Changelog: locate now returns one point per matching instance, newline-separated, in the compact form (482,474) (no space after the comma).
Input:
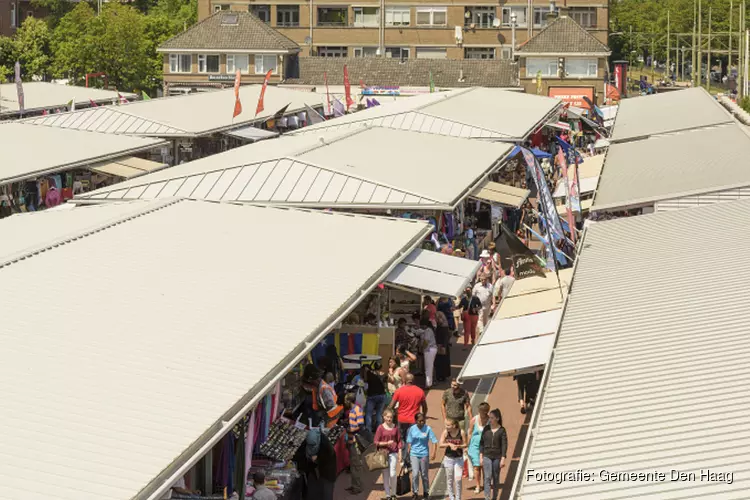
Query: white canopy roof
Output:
(588,176)
(350,169)
(188,115)
(124,380)
(44,95)
(251,133)
(535,295)
(29,151)
(433,272)
(478,112)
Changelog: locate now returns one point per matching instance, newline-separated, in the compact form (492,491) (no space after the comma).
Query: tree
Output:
(71,44)
(33,48)
(8,58)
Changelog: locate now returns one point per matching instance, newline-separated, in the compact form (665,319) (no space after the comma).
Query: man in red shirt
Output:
(411,400)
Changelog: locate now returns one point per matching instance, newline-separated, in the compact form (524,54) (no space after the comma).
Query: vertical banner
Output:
(237,103)
(19,88)
(347,89)
(262,95)
(525,263)
(328,95)
(568,193)
(545,197)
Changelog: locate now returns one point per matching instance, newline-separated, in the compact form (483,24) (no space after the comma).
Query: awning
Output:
(601,143)
(251,133)
(559,125)
(585,205)
(494,192)
(513,345)
(425,271)
(128,167)
(585,185)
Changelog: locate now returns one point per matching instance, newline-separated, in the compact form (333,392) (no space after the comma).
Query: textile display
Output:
(284,438)
(348,343)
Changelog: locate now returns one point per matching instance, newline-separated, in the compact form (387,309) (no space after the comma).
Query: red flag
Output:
(347,89)
(263,92)
(361,83)
(612,93)
(93,104)
(237,103)
(328,97)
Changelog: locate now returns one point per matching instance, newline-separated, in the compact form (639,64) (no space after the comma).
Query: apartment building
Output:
(422,29)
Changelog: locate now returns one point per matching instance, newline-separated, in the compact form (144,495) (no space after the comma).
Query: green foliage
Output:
(745,103)
(56,9)
(33,48)
(8,58)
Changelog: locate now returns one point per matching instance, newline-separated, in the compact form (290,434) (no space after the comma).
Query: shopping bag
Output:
(364,439)
(467,467)
(403,482)
(376,460)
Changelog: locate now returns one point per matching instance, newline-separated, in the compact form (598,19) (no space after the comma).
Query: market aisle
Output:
(502,396)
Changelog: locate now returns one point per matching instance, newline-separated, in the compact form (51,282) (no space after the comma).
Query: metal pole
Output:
(740,52)
(669,69)
(708,62)
(381,31)
(729,61)
(513,37)
(693,49)
(312,8)
(699,69)
(747,56)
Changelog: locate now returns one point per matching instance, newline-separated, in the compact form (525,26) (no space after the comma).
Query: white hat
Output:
(484,253)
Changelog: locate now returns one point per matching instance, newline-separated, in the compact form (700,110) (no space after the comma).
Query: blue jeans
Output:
(374,404)
(491,469)
(420,466)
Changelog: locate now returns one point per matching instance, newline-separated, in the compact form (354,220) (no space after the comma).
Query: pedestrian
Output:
(388,439)
(476,426)
(453,462)
(524,383)
(457,404)
(355,422)
(483,291)
(375,392)
(470,308)
(447,307)
(492,449)
(502,287)
(410,400)
(443,340)
(418,439)
(429,349)
(396,375)
(261,491)
(316,459)
(405,358)
(429,305)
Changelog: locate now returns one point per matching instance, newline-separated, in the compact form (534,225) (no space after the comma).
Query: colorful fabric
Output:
(348,343)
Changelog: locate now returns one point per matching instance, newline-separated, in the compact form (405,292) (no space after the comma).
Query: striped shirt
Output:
(356,418)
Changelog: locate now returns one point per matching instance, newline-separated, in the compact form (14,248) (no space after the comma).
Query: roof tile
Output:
(563,36)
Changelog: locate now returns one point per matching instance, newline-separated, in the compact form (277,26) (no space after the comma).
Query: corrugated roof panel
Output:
(171,188)
(319,186)
(290,180)
(256,183)
(332,192)
(398,121)
(387,121)
(100,122)
(411,199)
(436,126)
(365,192)
(135,192)
(304,183)
(396,197)
(126,124)
(153,190)
(417,121)
(349,191)
(380,195)
(206,184)
(189,186)
(447,127)
(115,195)
(240,182)
(638,345)
(426,124)
(227,178)
(274,180)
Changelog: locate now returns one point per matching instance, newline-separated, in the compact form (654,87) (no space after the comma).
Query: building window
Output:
(432,53)
(540,17)
(367,16)
(329,16)
(287,15)
(180,63)
(585,16)
(365,51)
(480,17)
(220,7)
(581,66)
(262,11)
(432,16)
(398,52)
(479,53)
(397,16)
(238,62)
(332,51)
(265,63)
(547,66)
(520,13)
(506,53)
(208,63)
(13,15)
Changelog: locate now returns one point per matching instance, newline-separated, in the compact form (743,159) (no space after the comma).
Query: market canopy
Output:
(39,96)
(29,151)
(494,192)
(476,113)
(535,295)
(128,167)
(641,117)
(125,381)
(191,115)
(688,163)
(348,169)
(425,271)
(251,133)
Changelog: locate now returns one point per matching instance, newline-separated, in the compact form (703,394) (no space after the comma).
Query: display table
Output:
(362,358)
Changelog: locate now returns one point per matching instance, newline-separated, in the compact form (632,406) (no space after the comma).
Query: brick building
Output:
(423,29)
(13,13)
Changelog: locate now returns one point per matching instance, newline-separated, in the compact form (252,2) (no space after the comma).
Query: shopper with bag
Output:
(453,462)
(410,400)
(476,427)
(418,439)
(355,422)
(388,442)
(492,449)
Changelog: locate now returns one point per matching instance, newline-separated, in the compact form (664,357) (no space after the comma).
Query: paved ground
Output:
(502,395)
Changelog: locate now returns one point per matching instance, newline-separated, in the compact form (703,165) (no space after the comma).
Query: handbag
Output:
(376,460)
(364,439)
(403,481)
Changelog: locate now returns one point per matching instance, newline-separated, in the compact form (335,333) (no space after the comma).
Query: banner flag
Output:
(347,89)
(328,95)
(543,193)
(569,191)
(262,95)
(19,88)
(313,116)
(525,263)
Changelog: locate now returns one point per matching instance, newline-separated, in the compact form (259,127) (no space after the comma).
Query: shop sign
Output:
(377,90)
(573,95)
(220,78)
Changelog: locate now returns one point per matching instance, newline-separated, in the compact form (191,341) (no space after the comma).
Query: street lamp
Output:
(513,22)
